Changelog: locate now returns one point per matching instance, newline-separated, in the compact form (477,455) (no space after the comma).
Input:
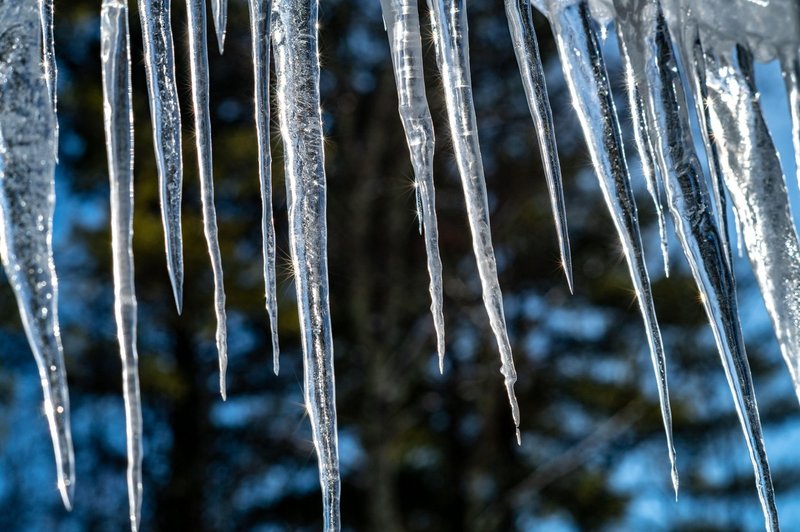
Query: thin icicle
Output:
(198,52)
(402,27)
(165,112)
(219,10)
(449,25)
(260,20)
(46,12)
(585,72)
(756,182)
(526,49)
(297,72)
(27,198)
(790,68)
(118,113)
(694,222)
(645,148)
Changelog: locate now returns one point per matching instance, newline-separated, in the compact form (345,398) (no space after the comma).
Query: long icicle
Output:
(755,179)
(401,18)
(27,199)
(297,72)
(585,72)
(118,113)
(449,25)
(46,16)
(260,20)
(790,69)
(696,226)
(526,49)
(198,51)
(219,10)
(159,59)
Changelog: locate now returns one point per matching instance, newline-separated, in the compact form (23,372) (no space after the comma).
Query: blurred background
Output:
(419,450)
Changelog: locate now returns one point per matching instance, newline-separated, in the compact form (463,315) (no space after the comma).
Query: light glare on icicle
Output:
(118,113)
(27,199)
(46,13)
(297,72)
(402,27)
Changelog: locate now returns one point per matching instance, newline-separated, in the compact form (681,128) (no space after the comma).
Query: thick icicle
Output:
(297,72)
(198,51)
(116,56)
(219,9)
(166,115)
(790,68)
(27,198)
(401,18)
(449,25)
(585,72)
(260,20)
(694,221)
(754,177)
(46,12)
(526,49)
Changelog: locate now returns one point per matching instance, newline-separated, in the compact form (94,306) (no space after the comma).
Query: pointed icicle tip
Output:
(519,437)
(67,490)
(568,274)
(220,12)
(177,291)
(675,482)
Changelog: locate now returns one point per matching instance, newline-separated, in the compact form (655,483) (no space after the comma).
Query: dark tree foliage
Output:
(419,450)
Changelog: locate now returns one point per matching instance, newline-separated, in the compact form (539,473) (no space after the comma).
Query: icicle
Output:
(198,51)
(755,180)
(116,56)
(585,72)
(260,20)
(694,220)
(526,49)
(165,113)
(297,72)
(790,68)
(27,197)
(49,60)
(219,10)
(644,146)
(449,25)
(402,26)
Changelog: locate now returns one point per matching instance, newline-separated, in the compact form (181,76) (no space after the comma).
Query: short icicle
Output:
(260,20)
(403,29)
(198,52)
(159,59)
(46,17)
(790,69)
(27,200)
(526,49)
(585,72)
(118,111)
(219,10)
(755,179)
(297,71)
(696,226)
(449,25)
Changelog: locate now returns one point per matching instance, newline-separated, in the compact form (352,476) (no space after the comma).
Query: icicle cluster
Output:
(662,44)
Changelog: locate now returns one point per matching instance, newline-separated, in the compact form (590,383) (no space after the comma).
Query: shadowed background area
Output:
(419,450)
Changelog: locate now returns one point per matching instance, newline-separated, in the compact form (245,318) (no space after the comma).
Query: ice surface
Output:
(27,199)
(198,53)
(118,113)
(297,71)
(402,27)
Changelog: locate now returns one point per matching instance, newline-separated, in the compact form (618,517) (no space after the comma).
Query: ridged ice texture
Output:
(790,69)
(401,18)
(756,182)
(198,66)
(118,114)
(219,10)
(585,72)
(449,26)
(698,233)
(46,13)
(297,72)
(27,198)
(159,60)
(260,20)
(526,49)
